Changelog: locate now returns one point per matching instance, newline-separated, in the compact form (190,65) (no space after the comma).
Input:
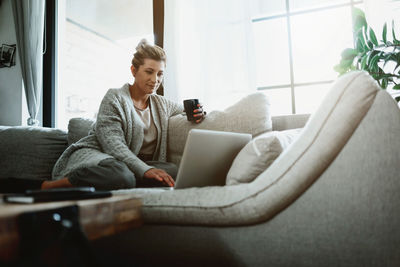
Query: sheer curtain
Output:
(29,26)
(209,45)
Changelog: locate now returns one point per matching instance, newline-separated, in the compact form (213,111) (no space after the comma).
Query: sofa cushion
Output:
(258,155)
(30,152)
(250,115)
(78,128)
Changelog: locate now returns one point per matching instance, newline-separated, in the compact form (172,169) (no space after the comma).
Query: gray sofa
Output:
(331,199)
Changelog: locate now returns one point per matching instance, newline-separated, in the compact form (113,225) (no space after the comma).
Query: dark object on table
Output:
(56,194)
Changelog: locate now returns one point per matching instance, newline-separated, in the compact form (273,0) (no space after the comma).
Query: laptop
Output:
(207,157)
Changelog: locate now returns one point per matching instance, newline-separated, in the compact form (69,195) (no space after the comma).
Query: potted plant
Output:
(380,58)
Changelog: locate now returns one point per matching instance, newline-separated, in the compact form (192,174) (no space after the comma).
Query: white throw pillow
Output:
(249,115)
(259,154)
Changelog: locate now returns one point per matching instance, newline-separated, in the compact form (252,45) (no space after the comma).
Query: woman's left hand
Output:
(199,114)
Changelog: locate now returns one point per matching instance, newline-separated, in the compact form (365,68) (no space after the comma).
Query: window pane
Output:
(272,52)
(318,40)
(296,5)
(96,41)
(309,98)
(268,8)
(280,100)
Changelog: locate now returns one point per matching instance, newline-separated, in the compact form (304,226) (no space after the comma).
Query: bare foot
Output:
(64,182)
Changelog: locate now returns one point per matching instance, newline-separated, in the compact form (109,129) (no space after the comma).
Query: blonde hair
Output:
(145,50)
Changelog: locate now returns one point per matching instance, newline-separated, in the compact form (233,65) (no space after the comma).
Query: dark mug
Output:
(190,105)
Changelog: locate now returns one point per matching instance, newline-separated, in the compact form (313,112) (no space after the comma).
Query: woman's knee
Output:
(109,174)
(119,172)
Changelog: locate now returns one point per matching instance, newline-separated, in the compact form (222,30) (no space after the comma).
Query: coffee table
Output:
(98,218)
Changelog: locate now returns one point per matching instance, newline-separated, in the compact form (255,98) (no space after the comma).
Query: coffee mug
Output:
(190,105)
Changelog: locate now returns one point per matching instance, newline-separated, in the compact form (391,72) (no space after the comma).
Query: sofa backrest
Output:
(30,152)
(286,122)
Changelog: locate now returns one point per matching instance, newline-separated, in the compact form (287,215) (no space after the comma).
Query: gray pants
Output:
(112,174)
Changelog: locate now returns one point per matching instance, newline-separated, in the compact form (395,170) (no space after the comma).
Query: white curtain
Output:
(29,26)
(209,45)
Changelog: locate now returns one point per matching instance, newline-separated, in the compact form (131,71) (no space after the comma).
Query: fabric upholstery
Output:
(284,122)
(348,217)
(258,155)
(30,152)
(79,128)
(324,135)
(250,115)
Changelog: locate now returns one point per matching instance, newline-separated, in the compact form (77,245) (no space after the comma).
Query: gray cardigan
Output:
(118,133)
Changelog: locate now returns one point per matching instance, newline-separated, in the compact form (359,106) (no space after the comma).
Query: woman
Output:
(127,145)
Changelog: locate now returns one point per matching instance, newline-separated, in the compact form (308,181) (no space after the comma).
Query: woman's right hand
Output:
(199,114)
(159,175)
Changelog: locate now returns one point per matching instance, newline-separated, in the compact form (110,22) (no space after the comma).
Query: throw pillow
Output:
(258,155)
(249,115)
(78,128)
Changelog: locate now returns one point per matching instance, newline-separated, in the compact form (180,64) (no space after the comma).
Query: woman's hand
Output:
(159,175)
(199,114)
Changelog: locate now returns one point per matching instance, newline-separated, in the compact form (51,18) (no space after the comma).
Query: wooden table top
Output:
(98,218)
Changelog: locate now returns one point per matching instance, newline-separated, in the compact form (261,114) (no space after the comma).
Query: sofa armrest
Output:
(285,122)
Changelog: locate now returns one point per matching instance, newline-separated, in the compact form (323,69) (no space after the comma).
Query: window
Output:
(96,41)
(297,43)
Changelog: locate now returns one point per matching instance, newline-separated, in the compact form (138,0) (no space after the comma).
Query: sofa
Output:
(331,198)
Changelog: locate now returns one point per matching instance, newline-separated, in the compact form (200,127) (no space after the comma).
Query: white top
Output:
(150,131)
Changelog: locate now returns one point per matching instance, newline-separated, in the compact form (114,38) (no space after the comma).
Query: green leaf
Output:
(393,33)
(384,83)
(367,42)
(364,62)
(374,68)
(339,69)
(372,36)
(359,20)
(387,58)
(371,54)
(346,63)
(349,53)
(384,33)
(360,42)
(397,98)
(374,60)
(395,68)
(396,87)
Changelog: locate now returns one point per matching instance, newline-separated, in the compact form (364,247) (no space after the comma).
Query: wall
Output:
(11,95)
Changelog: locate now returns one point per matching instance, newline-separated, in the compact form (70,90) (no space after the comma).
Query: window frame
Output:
(49,90)
(288,14)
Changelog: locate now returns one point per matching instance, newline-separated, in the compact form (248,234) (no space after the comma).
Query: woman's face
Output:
(149,75)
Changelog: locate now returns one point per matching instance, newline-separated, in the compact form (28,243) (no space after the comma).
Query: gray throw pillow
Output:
(258,155)
(78,128)
(30,152)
